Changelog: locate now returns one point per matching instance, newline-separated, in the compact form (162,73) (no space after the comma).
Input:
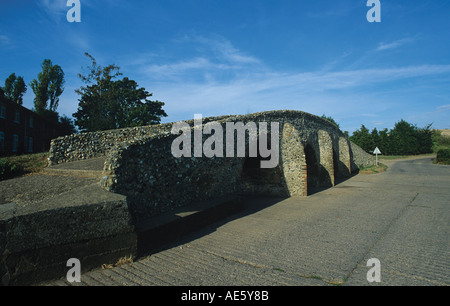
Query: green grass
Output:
(13,166)
(373,169)
(393,157)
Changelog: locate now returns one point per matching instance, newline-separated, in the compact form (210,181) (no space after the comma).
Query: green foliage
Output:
(403,139)
(443,156)
(8,169)
(65,126)
(14,88)
(48,87)
(440,141)
(330,119)
(112,104)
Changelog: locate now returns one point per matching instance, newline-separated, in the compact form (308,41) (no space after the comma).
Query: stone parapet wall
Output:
(95,144)
(155,181)
(139,163)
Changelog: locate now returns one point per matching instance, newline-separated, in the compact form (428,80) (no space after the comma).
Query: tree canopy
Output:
(47,88)
(112,104)
(14,88)
(404,139)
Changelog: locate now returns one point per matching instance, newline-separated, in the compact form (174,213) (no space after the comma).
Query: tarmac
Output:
(399,217)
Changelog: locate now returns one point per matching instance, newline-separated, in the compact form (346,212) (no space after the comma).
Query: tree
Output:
(363,138)
(330,119)
(112,104)
(425,139)
(15,88)
(404,140)
(65,126)
(48,87)
(385,142)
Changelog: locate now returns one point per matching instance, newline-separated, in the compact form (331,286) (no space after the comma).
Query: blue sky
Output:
(216,57)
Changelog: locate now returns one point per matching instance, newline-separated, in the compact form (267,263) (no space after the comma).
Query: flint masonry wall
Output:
(314,153)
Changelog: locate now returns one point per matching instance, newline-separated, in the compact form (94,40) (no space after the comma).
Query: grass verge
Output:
(14,166)
(373,169)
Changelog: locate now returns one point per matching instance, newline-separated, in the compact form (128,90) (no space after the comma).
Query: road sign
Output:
(376,152)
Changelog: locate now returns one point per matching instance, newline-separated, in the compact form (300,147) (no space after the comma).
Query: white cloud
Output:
(212,58)
(4,40)
(226,50)
(214,77)
(342,94)
(395,44)
(53,7)
(443,108)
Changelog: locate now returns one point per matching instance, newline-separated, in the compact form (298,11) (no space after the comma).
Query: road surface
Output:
(399,217)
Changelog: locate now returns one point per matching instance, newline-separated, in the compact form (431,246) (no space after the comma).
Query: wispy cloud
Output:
(316,91)
(393,45)
(4,40)
(214,77)
(225,50)
(54,8)
(212,57)
(443,108)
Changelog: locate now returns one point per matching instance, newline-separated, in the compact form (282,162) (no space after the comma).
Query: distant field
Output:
(445,132)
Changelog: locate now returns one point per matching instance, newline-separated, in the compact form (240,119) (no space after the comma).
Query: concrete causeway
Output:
(400,217)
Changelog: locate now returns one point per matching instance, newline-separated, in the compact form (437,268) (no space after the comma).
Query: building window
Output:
(17,116)
(30,144)
(2,111)
(2,141)
(15,143)
(31,122)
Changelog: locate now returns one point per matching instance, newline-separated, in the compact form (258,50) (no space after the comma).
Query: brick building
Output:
(22,130)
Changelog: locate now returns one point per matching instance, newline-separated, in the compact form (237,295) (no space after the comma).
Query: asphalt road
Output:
(399,217)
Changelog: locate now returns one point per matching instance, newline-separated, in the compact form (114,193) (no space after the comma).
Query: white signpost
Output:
(376,152)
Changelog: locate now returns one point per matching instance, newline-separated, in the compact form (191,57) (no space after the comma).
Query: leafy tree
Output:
(48,86)
(403,139)
(15,88)
(9,85)
(111,104)
(66,126)
(363,138)
(330,119)
(384,141)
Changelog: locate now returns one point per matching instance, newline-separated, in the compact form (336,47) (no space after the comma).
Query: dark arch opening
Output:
(312,169)
(336,169)
(263,181)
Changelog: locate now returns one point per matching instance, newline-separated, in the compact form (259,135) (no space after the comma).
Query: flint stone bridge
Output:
(144,196)
(314,154)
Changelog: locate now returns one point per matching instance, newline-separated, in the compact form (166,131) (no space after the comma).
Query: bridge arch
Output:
(313,153)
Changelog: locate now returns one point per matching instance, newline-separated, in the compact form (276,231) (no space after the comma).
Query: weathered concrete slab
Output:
(37,238)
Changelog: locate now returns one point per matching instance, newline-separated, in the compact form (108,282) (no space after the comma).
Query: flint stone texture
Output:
(141,179)
(140,165)
(361,159)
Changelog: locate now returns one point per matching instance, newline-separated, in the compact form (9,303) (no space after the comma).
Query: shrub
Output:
(8,170)
(443,156)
